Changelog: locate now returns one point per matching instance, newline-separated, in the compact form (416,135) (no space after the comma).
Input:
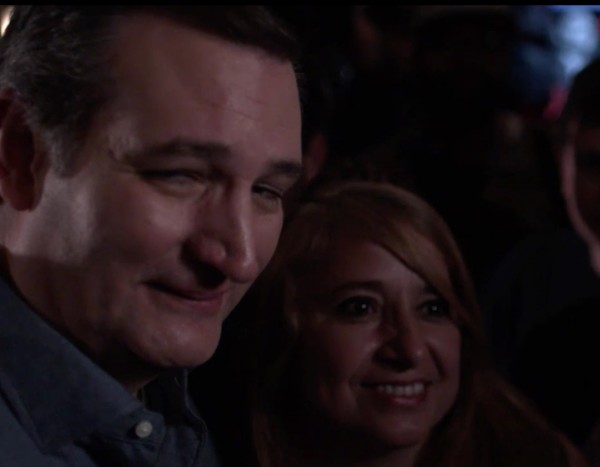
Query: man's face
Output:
(174,208)
(580,171)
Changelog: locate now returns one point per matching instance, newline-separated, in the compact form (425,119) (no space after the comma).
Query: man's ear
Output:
(18,157)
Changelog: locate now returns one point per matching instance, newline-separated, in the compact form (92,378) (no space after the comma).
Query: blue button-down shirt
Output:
(58,408)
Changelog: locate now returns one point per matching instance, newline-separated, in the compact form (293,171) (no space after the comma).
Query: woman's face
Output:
(380,353)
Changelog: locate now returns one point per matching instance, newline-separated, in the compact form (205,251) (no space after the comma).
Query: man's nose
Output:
(224,237)
(403,344)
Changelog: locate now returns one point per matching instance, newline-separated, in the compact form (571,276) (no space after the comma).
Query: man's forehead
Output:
(158,55)
(211,152)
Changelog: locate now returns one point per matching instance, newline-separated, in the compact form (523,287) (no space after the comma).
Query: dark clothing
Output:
(58,408)
(543,314)
(541,278)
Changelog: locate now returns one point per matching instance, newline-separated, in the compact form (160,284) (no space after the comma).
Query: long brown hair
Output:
(489,423)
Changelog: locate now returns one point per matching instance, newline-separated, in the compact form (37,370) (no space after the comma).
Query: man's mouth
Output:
(201,300)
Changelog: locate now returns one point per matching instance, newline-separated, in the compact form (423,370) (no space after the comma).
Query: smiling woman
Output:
(370,349)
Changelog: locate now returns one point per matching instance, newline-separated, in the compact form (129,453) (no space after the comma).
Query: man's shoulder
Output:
(17,447)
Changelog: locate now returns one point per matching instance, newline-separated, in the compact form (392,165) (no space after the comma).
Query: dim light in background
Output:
(5,18)
(574,7)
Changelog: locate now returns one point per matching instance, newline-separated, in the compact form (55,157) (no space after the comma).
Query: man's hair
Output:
(56,58)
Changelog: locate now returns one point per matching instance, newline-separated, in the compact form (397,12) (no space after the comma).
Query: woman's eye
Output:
(357,307)
(435,308)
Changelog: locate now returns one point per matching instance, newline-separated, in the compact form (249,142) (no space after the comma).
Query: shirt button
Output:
(143,429)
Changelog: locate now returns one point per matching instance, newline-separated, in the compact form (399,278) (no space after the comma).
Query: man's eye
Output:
(172,176)
(435,308)
(267,193)
(357,307)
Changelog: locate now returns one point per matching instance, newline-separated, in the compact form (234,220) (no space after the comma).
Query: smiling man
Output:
(143,157)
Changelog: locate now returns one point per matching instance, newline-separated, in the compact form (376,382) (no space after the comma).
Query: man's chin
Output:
(180,354)
(188,358)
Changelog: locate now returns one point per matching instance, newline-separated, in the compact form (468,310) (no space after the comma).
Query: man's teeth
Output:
(407,390)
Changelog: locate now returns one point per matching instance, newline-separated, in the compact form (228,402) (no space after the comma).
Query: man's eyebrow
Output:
(210,151)
(285,168)
(182,148)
